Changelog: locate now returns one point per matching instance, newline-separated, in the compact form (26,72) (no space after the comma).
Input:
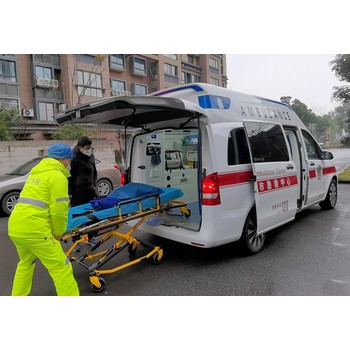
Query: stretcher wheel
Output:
(100,289)
(132,250)
(155,259)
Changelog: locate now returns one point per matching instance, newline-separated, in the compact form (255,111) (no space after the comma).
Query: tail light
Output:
(211,190)
(122,178)
(116,166)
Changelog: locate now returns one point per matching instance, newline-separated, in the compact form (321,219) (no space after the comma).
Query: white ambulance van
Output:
(246,164)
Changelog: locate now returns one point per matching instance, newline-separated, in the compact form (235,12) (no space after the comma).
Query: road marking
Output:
(339,244)
(340,282)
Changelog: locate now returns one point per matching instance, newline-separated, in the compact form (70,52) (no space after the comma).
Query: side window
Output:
(237,148)
(267,142)
(312,149)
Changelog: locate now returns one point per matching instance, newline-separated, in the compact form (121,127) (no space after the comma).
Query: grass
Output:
(344,176)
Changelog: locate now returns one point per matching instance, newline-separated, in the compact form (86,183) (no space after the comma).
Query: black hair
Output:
(84,141)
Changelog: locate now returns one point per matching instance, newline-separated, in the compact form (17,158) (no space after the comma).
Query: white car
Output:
(11,184)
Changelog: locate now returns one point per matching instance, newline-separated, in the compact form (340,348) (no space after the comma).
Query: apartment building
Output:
(40,85)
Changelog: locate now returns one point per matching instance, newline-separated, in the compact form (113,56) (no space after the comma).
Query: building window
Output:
(117,62)
(118,87)
(192,59)
(214,81)
(169,69)
(140,90)
(9,103)
(8,71)
(49,59)
(46,111)
(174,57)
(43,72)
(213,63)
(89,59)
(139,66)
(89,84)
(189,78)
(170,73)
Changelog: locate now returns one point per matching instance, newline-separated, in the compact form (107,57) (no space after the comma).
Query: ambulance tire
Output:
(250,242)
(332,196)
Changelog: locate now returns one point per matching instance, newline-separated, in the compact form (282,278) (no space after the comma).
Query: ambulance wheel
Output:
(332,196)
(250,241)
(99,289)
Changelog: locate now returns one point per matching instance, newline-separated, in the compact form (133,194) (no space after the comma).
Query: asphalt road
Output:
(309,256)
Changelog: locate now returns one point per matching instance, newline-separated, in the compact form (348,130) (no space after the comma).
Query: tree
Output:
(73,132)
(304,113)
(9,118)
(341,68)
(286,99)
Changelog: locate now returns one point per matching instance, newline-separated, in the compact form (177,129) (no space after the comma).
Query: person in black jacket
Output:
(82,182)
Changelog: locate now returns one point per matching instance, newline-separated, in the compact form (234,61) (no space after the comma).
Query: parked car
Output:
(11,184)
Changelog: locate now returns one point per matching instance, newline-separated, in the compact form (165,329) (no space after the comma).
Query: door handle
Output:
(142,167)
(312,164)
(290,166)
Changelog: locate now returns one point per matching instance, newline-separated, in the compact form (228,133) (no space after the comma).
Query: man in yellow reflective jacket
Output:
(39,219)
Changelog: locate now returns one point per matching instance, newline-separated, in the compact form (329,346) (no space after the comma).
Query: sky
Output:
(306,77)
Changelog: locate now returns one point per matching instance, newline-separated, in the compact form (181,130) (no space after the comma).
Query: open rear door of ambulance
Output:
(275,175)
(132,111)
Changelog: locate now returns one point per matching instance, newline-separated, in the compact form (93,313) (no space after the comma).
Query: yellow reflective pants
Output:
(49,251)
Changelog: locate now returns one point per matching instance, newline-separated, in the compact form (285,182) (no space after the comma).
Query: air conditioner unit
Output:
(120,92)
(53,83)
(28,112)
(42,82)
(62,107)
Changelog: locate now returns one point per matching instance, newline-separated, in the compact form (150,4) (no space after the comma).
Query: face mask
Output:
(87,152)
(67,166)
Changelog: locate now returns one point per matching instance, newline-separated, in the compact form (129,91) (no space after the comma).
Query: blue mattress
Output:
(81,215)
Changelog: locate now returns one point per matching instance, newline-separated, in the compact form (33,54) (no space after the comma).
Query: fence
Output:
(15,153)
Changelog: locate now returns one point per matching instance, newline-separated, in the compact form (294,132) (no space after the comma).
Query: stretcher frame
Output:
(108,228)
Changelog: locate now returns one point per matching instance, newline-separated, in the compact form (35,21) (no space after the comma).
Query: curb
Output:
(340,172)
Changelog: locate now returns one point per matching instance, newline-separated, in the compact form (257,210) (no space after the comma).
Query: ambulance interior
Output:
(170,158)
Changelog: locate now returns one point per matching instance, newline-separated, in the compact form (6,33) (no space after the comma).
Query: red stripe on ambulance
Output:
(235,178)
(329,170)
(325,171)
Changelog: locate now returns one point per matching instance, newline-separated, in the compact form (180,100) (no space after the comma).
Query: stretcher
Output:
(137,204)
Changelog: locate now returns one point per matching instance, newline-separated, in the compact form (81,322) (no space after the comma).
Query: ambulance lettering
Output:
(253,111)
(280,207)
(278,183)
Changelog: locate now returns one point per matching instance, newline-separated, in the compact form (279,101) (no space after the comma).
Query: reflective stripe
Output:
(64,199)
(32,201)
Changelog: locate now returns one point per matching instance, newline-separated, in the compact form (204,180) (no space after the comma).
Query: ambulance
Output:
(246,164)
